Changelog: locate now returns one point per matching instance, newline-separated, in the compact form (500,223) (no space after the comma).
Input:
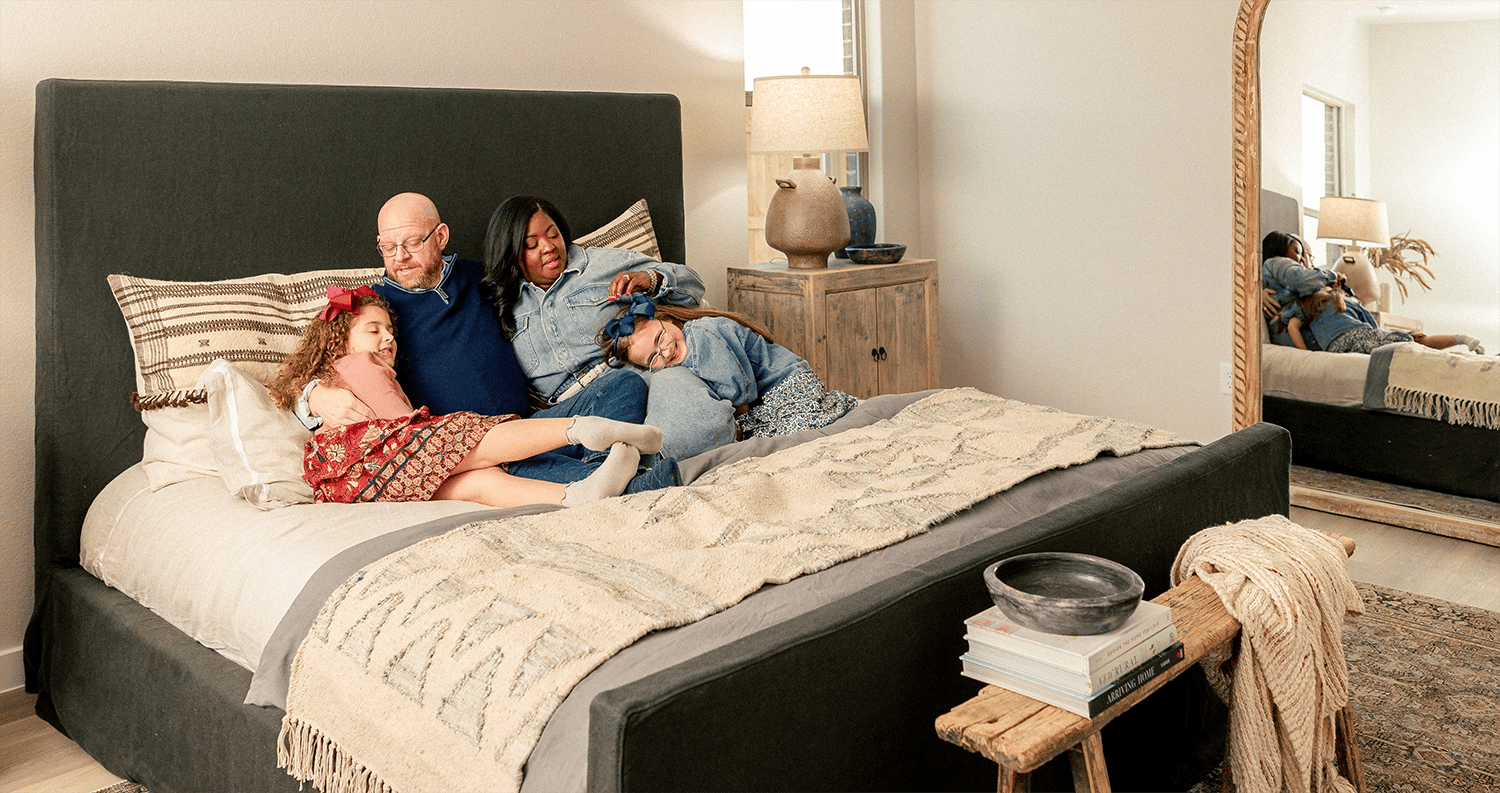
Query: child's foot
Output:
(1470,342)
(599,433)
(609,479)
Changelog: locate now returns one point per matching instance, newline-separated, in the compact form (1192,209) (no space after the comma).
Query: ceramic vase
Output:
(806,219)
(861,219)
(1360,275)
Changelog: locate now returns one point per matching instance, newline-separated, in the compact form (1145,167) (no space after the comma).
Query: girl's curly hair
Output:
(615,349)
(322,344)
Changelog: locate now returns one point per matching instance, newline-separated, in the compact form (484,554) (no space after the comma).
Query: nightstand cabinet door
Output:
(904,329)
(866,329)
(853,348)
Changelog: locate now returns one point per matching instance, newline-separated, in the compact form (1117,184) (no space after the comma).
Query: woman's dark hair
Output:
(505,247)
(1276,244)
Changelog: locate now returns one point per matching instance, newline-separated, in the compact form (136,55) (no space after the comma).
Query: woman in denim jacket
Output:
(552,296)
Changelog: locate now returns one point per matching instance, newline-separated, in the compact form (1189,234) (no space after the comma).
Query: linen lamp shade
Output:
(1356,223)
(806,114)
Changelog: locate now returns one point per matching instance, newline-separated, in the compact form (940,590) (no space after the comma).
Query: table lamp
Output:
(1355,223)
(803,114)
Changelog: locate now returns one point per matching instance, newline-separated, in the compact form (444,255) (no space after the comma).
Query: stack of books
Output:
(1080,674)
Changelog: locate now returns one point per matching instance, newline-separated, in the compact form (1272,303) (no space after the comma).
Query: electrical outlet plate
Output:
(1226,379)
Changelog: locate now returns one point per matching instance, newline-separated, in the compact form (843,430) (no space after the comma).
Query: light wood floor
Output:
(34,758)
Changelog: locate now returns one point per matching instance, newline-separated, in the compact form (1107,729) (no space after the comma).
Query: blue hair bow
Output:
(624,325)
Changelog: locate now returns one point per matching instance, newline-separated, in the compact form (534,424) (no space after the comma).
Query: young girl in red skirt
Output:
(410,455)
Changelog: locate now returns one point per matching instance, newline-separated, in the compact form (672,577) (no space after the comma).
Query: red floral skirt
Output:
(403,459)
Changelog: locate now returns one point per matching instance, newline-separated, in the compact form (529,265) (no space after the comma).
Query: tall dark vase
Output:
(861,219)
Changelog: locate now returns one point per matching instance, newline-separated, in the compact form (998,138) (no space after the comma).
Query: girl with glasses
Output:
(774,390)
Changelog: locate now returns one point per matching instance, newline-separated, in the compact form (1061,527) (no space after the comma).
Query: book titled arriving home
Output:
(1074,682)
(1087,706)
(1084,655)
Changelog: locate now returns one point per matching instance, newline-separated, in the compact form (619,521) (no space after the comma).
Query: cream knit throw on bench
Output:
(436,668)
(1289,587)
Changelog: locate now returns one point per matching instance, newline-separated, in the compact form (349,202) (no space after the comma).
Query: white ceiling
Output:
(1423,10)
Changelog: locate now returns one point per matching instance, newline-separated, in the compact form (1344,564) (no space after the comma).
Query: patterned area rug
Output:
(124,786)
(1425,676)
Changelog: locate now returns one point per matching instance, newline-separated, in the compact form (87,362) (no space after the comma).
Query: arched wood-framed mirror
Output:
(1246,404)
(1246,292)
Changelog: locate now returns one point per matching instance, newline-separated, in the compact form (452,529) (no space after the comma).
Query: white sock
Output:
(1470,342)
(599,433)
(609,479)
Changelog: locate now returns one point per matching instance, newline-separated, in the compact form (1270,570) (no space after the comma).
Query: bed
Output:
(1340,425)
(833,679)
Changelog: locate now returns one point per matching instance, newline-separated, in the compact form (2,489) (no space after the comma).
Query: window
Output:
(781,37)
(1322,161)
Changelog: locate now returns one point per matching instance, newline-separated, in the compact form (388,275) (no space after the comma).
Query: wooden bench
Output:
(1021,734)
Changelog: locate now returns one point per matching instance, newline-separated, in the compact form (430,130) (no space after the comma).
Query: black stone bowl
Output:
(1071,593)
(878,253)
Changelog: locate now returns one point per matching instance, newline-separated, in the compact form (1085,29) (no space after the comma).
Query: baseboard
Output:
(12,669)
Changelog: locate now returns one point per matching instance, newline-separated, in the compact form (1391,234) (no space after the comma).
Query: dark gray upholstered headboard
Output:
(1279,213)
(201,181)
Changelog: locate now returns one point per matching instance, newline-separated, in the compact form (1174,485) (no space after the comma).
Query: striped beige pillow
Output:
(178,328)
(632,231)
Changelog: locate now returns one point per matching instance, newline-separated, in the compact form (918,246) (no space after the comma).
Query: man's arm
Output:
(328,406)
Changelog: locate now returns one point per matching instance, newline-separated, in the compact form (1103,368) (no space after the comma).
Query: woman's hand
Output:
(337,407)
(633,281)
(1268,305)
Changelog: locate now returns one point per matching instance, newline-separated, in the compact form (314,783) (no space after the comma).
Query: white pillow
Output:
(177,447)
(258,448)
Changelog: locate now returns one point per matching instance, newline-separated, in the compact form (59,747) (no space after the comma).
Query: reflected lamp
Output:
(1355,223)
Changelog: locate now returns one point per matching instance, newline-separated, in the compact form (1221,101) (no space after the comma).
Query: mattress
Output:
(1323,377)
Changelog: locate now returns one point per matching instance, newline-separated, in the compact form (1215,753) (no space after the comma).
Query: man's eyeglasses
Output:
(388,249)
(658,361)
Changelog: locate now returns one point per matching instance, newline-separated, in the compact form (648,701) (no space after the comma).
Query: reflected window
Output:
(1322,162)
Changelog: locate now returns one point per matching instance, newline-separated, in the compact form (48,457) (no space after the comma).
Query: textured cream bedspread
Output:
(437,667)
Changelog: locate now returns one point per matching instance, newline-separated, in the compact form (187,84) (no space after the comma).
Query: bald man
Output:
(454,357)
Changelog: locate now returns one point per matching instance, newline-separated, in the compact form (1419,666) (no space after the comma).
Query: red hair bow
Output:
(341,300)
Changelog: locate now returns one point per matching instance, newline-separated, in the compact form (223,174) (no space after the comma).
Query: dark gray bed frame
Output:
(197,181)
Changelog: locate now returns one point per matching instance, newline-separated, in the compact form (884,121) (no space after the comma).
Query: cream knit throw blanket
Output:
(1461,389)
(1289,587)
(437,667)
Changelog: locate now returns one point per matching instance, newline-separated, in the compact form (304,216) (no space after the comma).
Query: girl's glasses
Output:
(658,360)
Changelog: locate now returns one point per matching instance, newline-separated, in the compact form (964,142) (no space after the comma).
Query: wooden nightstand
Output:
(866,328)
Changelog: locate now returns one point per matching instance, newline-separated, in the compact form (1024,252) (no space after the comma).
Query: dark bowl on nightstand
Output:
(1071,593)
(878,253)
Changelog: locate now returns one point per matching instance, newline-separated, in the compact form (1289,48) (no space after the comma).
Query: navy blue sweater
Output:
(451,355)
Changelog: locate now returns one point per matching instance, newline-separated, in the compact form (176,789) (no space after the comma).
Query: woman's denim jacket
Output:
(556,327)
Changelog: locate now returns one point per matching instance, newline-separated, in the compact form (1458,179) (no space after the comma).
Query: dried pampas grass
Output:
(1394,259)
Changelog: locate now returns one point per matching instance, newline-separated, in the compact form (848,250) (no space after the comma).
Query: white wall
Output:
(1426,119)
(1076,189)
(1321,46)
(691,48)
(1435,162)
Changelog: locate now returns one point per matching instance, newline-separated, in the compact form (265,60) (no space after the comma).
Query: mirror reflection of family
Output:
(1312,308)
